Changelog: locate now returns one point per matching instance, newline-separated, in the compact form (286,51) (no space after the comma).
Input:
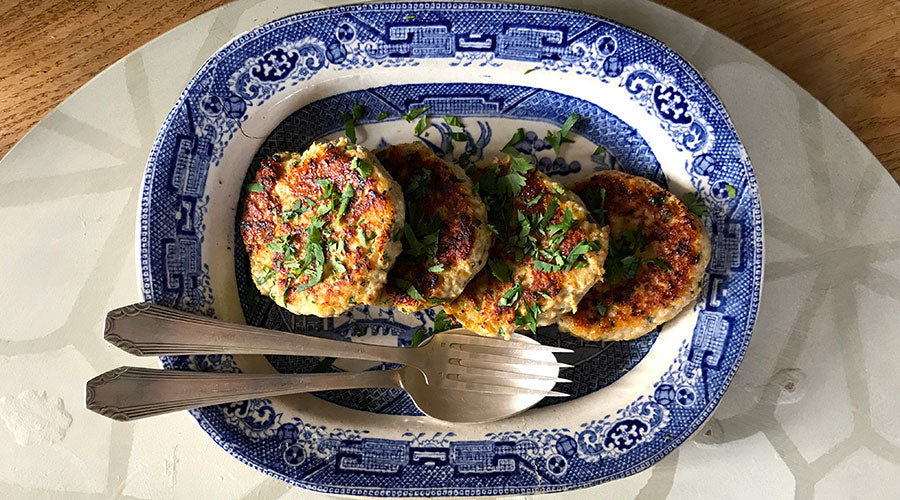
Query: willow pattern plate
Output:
(498,67)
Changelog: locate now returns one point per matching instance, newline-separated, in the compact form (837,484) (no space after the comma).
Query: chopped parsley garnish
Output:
(731,190)
(270,273)
(530,70)
(346,196)
(500,270)
(660,264)
(297,208)
(453,121)
(595,199)
(410,289)
(518,137)
(350,118)
(695,204)
(511,296)
(564,225)
(459,136)
(409,17)
(414,113)
(314,255)
(442,322)
(658,199)
(361,234)
(580,249)
(339,267)
(624,256)
(599,151)
(255,187)
(327,188)
(529,319)
(418,337)
(422,124)
(381,116)
(601,308)
(361,166)
(437,268)
(558,138)
(532,202)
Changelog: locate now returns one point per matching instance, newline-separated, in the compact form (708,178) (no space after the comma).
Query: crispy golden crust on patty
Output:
(638,209)
(539,227)
(317,228)
(446,239)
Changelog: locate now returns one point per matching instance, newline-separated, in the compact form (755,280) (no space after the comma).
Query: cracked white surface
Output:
(812,411)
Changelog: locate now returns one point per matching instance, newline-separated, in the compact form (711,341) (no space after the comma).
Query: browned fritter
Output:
(548,282)
(445,217)
(622,307)
(297,198)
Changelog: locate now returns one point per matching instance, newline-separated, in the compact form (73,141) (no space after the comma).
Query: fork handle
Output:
(147,329)
(129,393)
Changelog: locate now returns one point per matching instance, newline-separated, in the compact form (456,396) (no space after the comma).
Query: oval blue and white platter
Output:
(498,67)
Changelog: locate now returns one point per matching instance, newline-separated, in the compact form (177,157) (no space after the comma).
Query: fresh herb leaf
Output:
(512,183)
(418,337)
(602,308)
(453,121)
(422,124)
(580,249)
(409,17)
(442,322)
(350,118)
(410,289)
(459,136)
(518,137)
(595,199)
(731,190)
(414,113)
(327,188)
(533,201)
(361,166)
(695,204)
(660,263)
(500,269)
(546,267)
(339,267)
(511,296)
(530,70)
(346,196)
(599,151)
(381,116)
(437,268)
(564,225)
(658,200)
(361,234)
(270,273)
(558,138)
(529,319)
(255,187)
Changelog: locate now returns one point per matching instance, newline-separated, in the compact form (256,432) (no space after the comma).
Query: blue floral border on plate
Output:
(268,59)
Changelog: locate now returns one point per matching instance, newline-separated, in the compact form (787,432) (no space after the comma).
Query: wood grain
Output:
(845,52)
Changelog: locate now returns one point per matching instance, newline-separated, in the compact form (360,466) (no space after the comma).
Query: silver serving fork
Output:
(455,376)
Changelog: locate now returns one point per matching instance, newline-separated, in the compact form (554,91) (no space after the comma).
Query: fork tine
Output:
(497,389)
(498,343)
(466,372)
(484,358)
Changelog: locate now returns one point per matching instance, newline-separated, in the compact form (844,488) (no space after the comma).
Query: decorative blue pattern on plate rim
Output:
(175,251)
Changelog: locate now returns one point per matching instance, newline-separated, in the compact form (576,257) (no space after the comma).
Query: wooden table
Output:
(845,52)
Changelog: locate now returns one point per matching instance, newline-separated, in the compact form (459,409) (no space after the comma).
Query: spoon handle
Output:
(147,329)
(129,393)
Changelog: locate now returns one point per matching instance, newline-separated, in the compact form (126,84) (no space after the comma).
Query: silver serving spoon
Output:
(454,376)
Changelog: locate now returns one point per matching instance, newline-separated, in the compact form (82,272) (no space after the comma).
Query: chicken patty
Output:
(657,257)
(445,240)
(547,254)
(318,227)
